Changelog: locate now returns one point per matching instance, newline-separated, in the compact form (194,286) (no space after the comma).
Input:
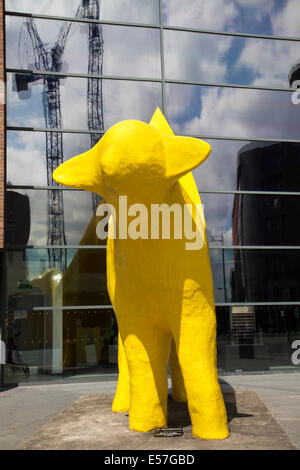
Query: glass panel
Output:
(244,16)
(79,273)
(243,219)
(119,50)
(232,112)
(255,275)
(27,217)
(255,166)
(225,59)
(258,338)
(231,219)
(121,100)
(136,11)
(72,341)
(27,150)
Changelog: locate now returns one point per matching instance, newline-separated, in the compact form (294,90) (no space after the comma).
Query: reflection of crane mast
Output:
(91,9)
(50,60)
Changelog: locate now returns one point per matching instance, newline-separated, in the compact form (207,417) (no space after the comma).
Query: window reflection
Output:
(249,275)
(136,11)
(27,150)
(232,112)
(121,50)
(257,337)
(77,213)
(214,58)
(55,339)
(121,100)
(249,219)
(244,16)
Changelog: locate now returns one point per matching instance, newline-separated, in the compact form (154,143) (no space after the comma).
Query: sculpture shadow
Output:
(178,413)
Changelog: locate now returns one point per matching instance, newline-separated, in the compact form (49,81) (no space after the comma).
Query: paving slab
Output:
(89,424)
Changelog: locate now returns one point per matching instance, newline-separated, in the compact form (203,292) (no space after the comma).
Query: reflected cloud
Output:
(136,11)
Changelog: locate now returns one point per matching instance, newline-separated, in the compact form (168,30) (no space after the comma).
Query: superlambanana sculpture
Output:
(161,292)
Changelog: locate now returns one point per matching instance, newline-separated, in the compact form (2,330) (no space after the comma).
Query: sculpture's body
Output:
(159,290)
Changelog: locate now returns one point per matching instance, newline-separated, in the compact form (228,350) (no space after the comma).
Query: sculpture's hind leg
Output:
(147,355)
(196,347)
(122,397)
(178,388)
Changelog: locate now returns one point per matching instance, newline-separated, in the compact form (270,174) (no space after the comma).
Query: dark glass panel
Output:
(118,50)
(232,112)
(249,220)
(243,275)
(45,341)
(34,281)
(136,11)
(121,100)
(256,166)
(196,57)
(258,338)
(231,219)
(77,212)
(243,16)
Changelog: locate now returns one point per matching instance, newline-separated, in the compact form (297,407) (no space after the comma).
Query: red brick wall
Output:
(2,128)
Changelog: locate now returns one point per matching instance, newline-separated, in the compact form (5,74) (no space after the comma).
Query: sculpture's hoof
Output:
(120,409)
(213,435)
(147,428)
(120,405)
(179,398)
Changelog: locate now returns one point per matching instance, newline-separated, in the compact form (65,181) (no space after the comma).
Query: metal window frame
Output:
(201,191)
(103,247)
(163,81)
(153,26)
(217,304)
(197,136)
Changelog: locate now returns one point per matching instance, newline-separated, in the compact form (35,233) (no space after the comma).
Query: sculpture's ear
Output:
(159,122)
(82,172)
(183,154)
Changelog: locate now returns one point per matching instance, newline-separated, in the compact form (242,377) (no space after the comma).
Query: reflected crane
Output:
(90,9)
(49,59)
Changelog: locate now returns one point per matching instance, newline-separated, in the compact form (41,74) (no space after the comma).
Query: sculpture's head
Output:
(133,159)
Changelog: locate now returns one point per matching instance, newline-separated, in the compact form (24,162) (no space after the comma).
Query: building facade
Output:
(220,70)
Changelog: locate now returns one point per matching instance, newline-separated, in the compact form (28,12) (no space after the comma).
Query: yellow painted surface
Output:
(162,294)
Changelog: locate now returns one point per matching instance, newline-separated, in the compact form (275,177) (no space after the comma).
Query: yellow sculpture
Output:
(162,293)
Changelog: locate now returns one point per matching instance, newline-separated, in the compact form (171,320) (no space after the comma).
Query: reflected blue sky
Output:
(268,17)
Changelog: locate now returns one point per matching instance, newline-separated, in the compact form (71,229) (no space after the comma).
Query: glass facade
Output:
(224,71)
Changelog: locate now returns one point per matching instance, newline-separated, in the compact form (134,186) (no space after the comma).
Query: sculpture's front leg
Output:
(196,345)
(122,398)
(147,352)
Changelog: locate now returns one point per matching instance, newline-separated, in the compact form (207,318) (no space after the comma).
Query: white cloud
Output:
(213,14)
(270,61)
(116,10)
(287,21)
(195,57)
(243,113)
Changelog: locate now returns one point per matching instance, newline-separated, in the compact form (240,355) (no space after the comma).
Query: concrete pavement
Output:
(24,409)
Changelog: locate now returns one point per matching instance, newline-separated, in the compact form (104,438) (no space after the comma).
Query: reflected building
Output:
(265,275)
(266,220)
